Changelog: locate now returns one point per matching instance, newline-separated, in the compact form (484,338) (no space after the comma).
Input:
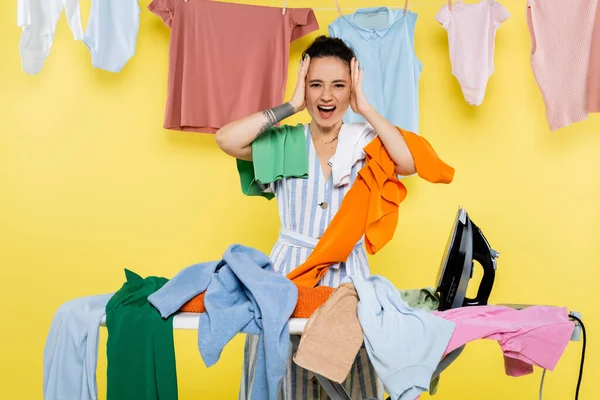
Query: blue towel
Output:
(243,294)
(188,283)
(404,344)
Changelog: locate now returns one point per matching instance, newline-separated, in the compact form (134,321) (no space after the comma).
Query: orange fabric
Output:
(370,207)
(194,305)
(309,299)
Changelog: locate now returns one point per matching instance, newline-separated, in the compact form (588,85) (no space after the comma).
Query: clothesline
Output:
(437,4)
(399,6)
(411,3)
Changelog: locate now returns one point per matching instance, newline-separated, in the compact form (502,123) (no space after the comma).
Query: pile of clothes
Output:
(404,335)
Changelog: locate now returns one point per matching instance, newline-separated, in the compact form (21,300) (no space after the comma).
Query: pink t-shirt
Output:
(226,60)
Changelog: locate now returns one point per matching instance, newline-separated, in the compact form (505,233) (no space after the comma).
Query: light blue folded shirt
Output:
(404,344)
(243,294)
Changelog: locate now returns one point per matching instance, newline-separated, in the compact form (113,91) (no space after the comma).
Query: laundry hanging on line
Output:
(383,41)
(471,31)
(110,36)
(235,66)
(561,44)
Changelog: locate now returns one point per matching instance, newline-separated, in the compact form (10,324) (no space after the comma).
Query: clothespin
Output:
(283,9)
(337,5)
(405,6)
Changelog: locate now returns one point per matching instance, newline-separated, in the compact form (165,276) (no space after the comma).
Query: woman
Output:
(329,81)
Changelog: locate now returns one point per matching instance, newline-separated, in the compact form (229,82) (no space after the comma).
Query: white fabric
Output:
(38,19)
(352,139)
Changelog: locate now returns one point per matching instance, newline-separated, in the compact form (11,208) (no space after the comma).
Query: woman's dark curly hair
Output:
(325,46)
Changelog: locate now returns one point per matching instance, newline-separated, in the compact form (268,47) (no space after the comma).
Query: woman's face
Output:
(327,90)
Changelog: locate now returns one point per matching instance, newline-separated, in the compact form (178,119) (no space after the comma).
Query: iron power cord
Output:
(582,354)
(580,366)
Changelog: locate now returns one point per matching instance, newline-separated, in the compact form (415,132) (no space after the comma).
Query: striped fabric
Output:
(299,211)
(303,221)
(299,383)
(561,33)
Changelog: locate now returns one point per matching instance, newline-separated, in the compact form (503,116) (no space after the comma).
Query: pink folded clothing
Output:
(536,335)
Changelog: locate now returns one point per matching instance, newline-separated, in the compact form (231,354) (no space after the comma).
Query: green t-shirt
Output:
(280,152)
(140,350)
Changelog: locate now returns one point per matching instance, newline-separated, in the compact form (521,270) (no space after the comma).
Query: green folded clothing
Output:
(278,153)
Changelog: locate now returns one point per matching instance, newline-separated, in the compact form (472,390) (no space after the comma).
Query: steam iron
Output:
(465,245)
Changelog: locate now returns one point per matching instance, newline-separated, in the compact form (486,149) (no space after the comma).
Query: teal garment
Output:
(280,152)
(139,349)
(425,299)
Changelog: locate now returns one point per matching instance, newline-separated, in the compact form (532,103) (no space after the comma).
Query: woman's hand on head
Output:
(298,98)
(358,100)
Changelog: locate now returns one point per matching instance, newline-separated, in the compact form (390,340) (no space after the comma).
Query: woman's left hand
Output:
(358,101)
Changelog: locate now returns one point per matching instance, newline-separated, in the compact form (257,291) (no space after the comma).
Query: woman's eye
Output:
(340,86)
(315,85)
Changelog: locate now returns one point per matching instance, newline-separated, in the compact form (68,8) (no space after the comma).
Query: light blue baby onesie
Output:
(111,33)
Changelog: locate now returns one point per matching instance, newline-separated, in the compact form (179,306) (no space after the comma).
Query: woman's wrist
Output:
(297,107)
(276,114)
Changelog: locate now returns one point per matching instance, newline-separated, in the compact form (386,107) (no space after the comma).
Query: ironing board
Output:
(335,391)
(190,321)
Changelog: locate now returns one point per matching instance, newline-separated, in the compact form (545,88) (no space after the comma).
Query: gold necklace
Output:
(331,142)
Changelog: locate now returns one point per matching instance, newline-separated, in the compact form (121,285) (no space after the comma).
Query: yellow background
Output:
(91,184)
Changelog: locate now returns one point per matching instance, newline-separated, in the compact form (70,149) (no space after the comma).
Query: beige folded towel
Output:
(332,336)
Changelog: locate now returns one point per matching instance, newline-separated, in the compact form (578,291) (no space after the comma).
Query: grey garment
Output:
(425,299)
(445,363)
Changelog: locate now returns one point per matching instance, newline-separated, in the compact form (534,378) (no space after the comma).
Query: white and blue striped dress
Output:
(306,207)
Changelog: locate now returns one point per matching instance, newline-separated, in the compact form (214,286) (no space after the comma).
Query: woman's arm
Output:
(390,137)
(392,141)
(236,137)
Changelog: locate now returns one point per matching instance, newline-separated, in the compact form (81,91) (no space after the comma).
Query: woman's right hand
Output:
(236,137)
(298,100)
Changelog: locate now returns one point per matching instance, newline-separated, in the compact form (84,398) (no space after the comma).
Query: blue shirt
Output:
(383,41)
(243,294)
(404,344)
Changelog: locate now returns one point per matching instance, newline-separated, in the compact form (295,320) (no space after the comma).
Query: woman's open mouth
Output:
(326,112)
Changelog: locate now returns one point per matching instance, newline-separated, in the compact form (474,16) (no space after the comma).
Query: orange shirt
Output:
(370,207)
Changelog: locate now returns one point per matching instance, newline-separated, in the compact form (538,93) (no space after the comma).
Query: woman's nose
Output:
(326,95)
